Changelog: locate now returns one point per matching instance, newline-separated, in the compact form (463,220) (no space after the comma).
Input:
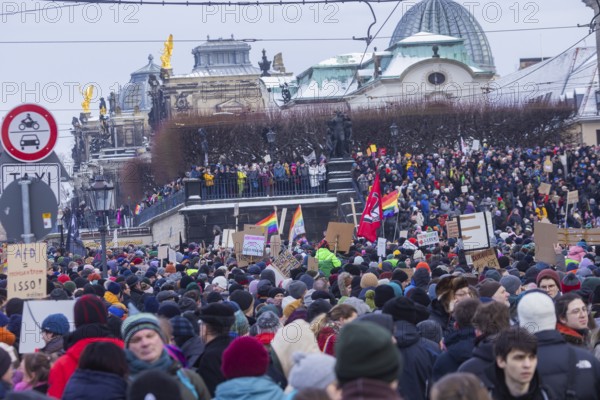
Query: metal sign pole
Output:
(27,235)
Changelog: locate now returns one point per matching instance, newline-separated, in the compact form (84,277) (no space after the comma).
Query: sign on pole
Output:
(26,276)
(29,133)
(428,238)
(573,197)
(381,243)
(253,245)
(46,173)
(452,229)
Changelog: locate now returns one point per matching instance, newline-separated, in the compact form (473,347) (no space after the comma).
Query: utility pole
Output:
(594,24)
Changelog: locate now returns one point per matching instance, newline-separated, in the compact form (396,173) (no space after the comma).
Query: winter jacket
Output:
(368,389)
(438,313)
(209,364)
(66,365)
(193,349)
(556,358)
(95,385)
(460,345)
(499,391)
(481,358)
(249,388)
(327,261)
(419,356)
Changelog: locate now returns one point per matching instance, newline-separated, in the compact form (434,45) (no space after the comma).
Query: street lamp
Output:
(271,140)
(394,135)
(101,195)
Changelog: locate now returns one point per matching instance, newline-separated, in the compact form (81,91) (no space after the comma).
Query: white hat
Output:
(220,281)
(536,312)
(418,255)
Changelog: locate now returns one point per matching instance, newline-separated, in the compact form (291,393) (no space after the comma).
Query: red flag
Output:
(370,220)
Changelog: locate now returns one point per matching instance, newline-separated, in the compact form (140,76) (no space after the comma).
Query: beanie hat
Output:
(114,288)
(5,361)
(220,281)
(58,294)
(296,289)
(493,274)
(154,384)
(63,278)
(168,309)
(267,322)
(368,280)
(89,309)
(151,304)
(548,274)
(358,260)
(570,283)
(116,311)
(366,350)
(488,288)
(401,309)
(139,322)
(430,329)
(56,323)
(170,268)
(383,320)
(242,298)
(511,284)
(383,293)
(244,357)
(312,370)
(181,326)
(399,275)
(536,312)
(70,286)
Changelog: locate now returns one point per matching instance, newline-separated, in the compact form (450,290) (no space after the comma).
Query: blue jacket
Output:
(95,385)
(249,388)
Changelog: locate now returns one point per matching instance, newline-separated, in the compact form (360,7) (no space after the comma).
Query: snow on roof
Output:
(399,64)
(428,37)
(345,59)
(275,81)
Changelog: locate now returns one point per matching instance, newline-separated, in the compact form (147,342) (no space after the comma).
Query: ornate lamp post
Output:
(101,195)
(271,140)
(394,135)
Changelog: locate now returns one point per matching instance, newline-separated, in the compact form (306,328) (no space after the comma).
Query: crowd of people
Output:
(504,181)
(420,323)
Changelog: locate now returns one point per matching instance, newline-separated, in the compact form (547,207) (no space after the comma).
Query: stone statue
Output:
(112,102)
(102,108)
(87,98)
(337,129)
(165,58)
(265,65)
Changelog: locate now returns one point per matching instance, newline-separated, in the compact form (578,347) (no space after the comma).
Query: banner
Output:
(370,220)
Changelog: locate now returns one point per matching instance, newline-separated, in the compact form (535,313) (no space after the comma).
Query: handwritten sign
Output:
(573,197)
(452,229)
(428,238)
(313,264)
(485,258)
(381,243)
(544,188)
(26,271)
(285,263)
(253,245)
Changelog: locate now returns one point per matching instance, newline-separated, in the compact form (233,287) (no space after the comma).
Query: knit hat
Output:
(242,298)
(312,370)
(114,288)
(488,288)
(217,314)
(5,361)
(220,281)
(138,322)
(244,357)
(536,312)
(58,294)
(132,280)
(154,384)
(383,293)
(548,273)
(493,274)
(366,350)
(168,309)
(369,280)
(170,268)
(430,329)
(401,309)
(570,283)
(296,289)
(511,284)
(89,309)
(181,326)
(56,323)
(383,320)
(70,286)
(267,322)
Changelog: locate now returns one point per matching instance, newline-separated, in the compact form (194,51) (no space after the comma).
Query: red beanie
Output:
(89,309)
(245,356)
(63,278)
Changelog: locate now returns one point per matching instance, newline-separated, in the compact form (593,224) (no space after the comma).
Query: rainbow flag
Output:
(389,204)
(270,222)
(297,227)
(138,209)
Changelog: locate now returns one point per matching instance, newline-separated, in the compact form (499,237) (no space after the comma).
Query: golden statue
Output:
(167,53)
(87,97)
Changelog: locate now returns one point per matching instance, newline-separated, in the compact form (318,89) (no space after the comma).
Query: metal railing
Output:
(163,205)
(231,188)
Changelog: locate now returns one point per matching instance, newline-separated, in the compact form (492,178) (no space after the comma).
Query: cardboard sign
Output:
(476,145)
(573,197)
(285,263)
(256,230)
(275,245)
(404,234)
(253,245)
(485,258)
(217,241)
(548,165)
(570,236)
(545,237)
(381,244)
(313,264)
(452,229)
(26,271)
(172,255)
(428,238)
(475,230)
(464,189)
(341,233)
(36,311)
(228,238)
(544,188)
(163,252)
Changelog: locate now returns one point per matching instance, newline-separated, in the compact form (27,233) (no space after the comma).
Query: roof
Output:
(428,37)
(135,92)
(226,70)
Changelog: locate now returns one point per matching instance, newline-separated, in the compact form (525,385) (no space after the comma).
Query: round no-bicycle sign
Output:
(29,133)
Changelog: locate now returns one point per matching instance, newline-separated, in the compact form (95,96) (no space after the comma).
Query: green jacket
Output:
(327,261)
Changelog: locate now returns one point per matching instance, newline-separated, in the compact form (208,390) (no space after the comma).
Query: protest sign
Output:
(546,236)
(428,239)
(572,197)
(485,258)
(34,313)
(381,243)
(27,271)
(341,234)
(544,188)
(275,245)
(285,263)
(313,264)
(475,230)
(452,229)
(253,245)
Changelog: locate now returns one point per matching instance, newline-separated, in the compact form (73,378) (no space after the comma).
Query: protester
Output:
(35,368)
(6,373)
(572,319)
(54,328)
(314,370)
(459,386)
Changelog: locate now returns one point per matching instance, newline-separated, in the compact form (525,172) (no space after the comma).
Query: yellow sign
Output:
(26,277)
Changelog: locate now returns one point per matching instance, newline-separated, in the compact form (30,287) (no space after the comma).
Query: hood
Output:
(485,350)
(74,352)
(406,334)
(284,345)
(260,387)
(460,344)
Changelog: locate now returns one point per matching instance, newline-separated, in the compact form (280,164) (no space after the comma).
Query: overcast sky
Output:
(50,73)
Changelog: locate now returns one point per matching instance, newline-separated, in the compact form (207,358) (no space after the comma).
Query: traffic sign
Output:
(29,133)
(47,173)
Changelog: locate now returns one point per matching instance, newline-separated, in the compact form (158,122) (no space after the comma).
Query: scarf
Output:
(136,366)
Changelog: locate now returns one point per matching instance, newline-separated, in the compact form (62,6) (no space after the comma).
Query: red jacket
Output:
(66,365)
